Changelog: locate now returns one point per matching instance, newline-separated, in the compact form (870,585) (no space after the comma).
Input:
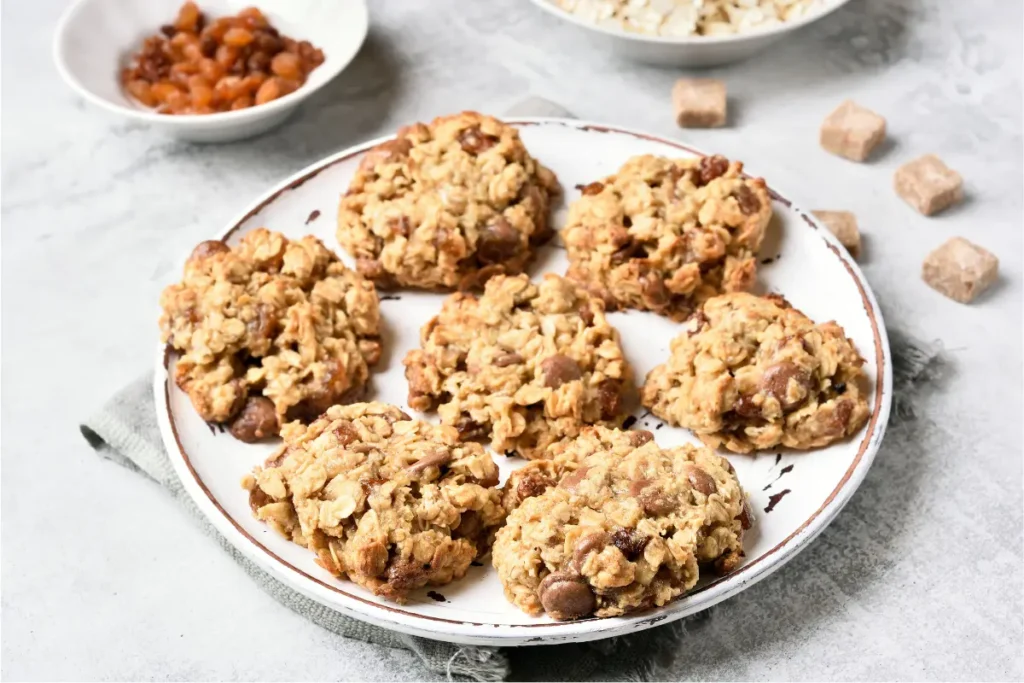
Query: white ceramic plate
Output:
(691,51)
(794,495)
(95,39)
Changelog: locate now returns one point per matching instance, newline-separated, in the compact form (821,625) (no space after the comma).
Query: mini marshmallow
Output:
(699,102)
(852,132)
(928,185)
(960,270)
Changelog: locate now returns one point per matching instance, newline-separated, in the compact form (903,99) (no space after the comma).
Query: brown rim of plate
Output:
(654,615)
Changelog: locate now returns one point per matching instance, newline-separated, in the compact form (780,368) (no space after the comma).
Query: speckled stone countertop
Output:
(920,577)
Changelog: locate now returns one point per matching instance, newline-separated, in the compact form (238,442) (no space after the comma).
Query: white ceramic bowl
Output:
(96,38)
(695,51)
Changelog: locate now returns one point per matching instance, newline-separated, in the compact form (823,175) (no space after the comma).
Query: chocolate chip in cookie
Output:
(566,596)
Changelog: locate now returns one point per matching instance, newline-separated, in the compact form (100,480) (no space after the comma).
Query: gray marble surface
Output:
(919,578)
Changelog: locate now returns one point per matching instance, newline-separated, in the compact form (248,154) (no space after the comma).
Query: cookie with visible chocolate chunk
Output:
(389,502)
(614,524)
(751,373)
(269,331)
(664,234)
(524,364)
(446,205)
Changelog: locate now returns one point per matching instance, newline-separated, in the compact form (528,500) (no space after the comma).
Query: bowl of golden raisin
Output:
(206,71)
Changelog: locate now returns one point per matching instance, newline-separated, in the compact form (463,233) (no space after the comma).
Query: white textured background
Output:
(919,578)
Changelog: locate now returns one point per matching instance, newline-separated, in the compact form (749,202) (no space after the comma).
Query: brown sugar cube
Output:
(852,131)
(928,185)
(960,270)
(699,102)
(843,225)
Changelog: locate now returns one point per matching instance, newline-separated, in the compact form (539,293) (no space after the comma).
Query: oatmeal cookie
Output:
(446,205)
(627,526)
(752,372)
(269,331)
(665,234)
(524,364)
(389,502)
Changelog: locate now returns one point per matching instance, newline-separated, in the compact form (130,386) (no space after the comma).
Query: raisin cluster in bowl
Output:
(201,66)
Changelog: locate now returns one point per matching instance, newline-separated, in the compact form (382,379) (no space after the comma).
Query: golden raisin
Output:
(202,95)
(141,91)
(177,100)
(211,70)
(192,52)
(270,90)
(180,73)
(195,66)
(286,65)
(238,37)
(288,86)
(252,82)
(229,87)
(197,80)
(309,53)
(226,56)
(253,18)
(180,40)
(162,90)
(217,29)
(186,68)
(188,17)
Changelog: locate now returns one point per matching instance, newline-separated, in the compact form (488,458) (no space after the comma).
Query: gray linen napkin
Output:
(125,431)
